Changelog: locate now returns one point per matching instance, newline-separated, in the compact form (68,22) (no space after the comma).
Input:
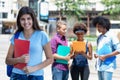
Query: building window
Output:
(33,5)
(4,15)
(15,15)
(2,4)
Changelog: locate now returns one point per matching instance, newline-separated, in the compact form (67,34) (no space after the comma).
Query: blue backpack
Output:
(10,67)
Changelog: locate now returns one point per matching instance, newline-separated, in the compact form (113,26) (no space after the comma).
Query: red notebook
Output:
(21,47)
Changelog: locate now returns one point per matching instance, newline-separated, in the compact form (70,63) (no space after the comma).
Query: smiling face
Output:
(26,21)
(101,29)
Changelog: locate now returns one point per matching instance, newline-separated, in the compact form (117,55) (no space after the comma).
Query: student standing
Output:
(59,71)
(80,66)
(108,47)
(29,30)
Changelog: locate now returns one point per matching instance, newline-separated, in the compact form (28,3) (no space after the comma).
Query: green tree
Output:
(112,7)
(72,7)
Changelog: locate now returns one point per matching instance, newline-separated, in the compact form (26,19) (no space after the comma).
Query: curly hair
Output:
(79,26)
(104,22)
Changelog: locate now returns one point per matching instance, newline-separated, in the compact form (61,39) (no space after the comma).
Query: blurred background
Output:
(48,12)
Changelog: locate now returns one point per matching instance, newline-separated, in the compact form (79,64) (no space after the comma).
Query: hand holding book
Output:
(67,58)
(21,52)
(63,51)
(24,58)
(79,46)
(103,52)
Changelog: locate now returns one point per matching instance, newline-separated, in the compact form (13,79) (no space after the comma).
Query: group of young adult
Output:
(61,71)
(29,30)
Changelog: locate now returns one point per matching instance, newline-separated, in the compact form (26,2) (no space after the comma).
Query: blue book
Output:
(62,51)
(106,50)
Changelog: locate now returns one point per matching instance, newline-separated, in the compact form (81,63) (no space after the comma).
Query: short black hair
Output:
(79,26)
(103,21)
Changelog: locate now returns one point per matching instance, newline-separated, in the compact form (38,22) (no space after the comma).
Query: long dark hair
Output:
(27,10)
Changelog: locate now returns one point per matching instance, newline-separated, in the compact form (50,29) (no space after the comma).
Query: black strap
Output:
(16,35)
(98,39)
(86,46)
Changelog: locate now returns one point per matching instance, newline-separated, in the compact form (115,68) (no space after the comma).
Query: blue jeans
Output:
(104,75)
(15,76)
(58,74)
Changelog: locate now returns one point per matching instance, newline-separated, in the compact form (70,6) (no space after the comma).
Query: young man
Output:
(107,48)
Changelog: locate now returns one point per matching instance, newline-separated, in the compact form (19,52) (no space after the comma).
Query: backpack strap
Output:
(86,46)
(113,48)
(10,67)
(98,38)
(16,35)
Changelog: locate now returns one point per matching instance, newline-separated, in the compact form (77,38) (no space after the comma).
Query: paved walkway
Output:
(4,44)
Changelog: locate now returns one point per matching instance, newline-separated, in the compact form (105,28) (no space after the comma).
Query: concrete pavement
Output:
(4,44)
